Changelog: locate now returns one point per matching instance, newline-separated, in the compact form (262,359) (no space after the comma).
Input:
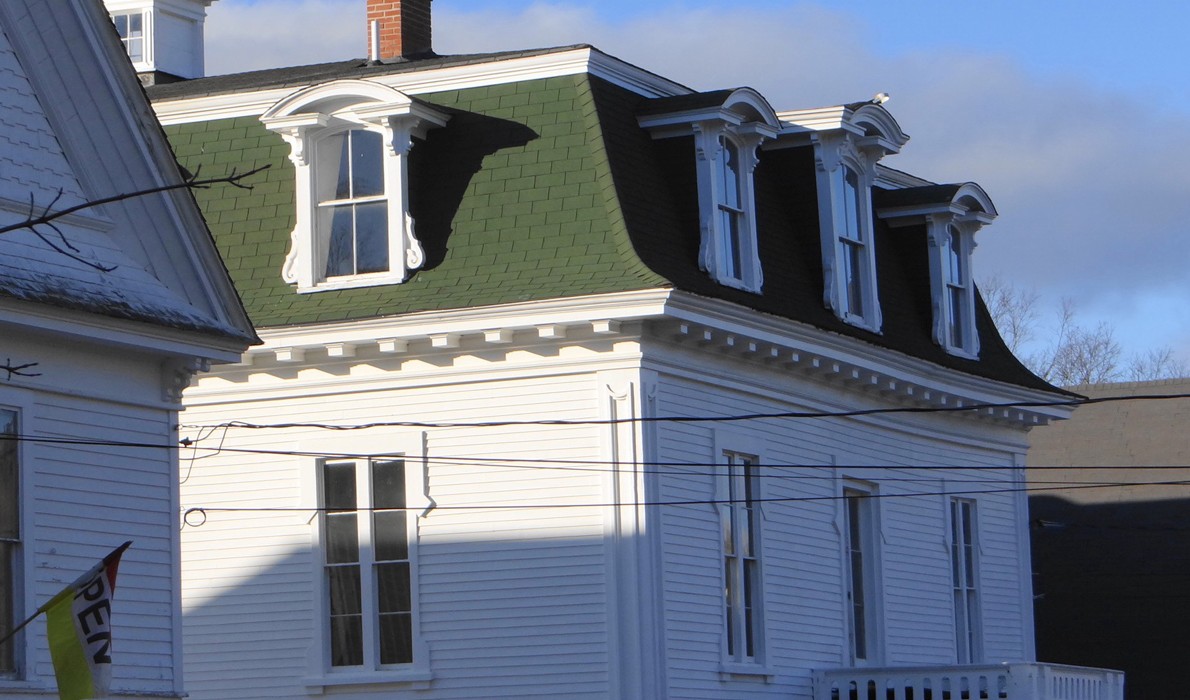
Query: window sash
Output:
(367,562)
(859,521)
(352,220)
(741,559)
(964,570)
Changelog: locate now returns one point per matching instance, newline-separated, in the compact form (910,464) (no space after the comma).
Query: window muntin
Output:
(352,207)
(964,568)
(366,529)
(131,28)
(860,577)
(741,559)
(10,539)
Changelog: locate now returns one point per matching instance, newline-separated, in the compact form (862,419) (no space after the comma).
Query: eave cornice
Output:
(647,316)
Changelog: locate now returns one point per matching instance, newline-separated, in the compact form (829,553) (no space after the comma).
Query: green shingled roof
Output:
(513,201)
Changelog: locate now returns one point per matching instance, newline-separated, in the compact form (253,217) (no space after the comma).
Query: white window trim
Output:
(714,256)
(975,626)
(732,443)
(874,627)
(25,679)
(310,115)
(411,448)
(835,152)
(939,227)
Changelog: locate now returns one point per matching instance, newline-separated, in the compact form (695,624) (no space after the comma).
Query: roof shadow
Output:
(444,166)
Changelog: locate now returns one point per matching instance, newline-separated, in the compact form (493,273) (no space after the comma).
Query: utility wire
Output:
(692,419)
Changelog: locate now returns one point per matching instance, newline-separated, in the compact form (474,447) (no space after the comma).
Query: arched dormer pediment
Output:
(751,106)
(877,127)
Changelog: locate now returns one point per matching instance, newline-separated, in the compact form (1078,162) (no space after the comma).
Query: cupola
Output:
(164,38)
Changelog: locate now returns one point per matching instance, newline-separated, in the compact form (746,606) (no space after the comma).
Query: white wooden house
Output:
(546,405)
(103,317)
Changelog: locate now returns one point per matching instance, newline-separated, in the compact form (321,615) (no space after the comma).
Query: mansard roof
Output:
(550,187)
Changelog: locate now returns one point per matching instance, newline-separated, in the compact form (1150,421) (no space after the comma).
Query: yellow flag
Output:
(78,623)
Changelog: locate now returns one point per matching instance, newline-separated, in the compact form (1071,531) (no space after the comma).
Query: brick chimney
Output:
(403,29)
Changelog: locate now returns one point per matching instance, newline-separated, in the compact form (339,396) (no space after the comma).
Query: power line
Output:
(688,419)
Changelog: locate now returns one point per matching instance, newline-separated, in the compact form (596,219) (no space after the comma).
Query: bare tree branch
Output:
(18,370)
(1063,351)
(190,182)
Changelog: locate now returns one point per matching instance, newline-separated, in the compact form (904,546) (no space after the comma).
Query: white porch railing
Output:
(1011,681)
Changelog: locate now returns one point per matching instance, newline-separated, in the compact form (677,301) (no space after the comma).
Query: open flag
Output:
(78,623)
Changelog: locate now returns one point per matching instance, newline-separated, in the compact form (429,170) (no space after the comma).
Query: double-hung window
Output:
(732,221)
(10,539)
(852,241)
(859,532)
(741,559)
(964,569)
(352,207)
(958,288)
(368,576)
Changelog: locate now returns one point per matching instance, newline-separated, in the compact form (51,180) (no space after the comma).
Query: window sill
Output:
(737,284)
(860,322)
(415,677)
(736,669)
(18,687)
(355,281)
(960,352)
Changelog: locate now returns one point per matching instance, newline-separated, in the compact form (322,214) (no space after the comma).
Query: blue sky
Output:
(1075,116)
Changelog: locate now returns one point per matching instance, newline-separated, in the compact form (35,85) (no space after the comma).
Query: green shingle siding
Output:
(512,201)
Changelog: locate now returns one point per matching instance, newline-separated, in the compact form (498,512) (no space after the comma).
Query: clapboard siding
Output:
(804,608)
(82,500)
(510,556)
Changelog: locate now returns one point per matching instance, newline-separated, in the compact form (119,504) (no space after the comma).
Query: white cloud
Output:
(1092,187)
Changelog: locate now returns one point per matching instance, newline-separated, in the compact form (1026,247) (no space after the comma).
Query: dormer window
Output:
(728,128)
(848,141)
(951,214)
(350,141)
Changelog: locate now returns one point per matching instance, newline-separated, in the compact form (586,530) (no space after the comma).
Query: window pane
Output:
(396,638)
(853,277)
(851,205)
(388,484)
(392,543)
(729,567)
(136,24)
(340,257)
(371,237)
(344,587)
(367,164)
(731,175)
(9,513)
(342,538)
(7,649)
(347,641)
(338,486)
(957,275)
(392,587)
(958,300)
(342,143)
(121,25)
